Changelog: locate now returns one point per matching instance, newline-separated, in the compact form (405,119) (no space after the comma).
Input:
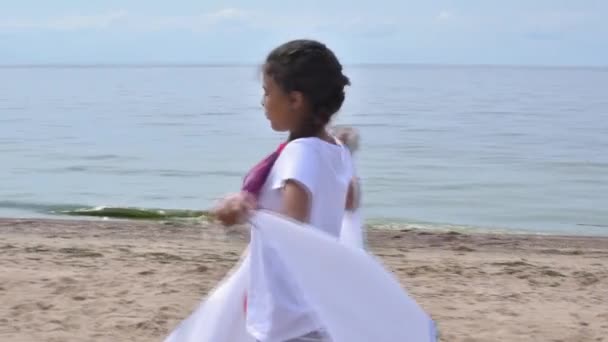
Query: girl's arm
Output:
(296,201)
(350,138)
(353,197)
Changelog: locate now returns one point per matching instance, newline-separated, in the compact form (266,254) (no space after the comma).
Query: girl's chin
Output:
(277,128)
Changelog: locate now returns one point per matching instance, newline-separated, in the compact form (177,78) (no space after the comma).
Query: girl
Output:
(309,180)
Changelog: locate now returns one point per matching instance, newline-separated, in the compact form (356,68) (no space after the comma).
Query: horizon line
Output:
(248,64)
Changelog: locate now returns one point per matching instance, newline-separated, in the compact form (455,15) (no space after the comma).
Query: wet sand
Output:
(134,281)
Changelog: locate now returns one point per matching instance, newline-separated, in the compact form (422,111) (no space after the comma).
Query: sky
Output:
(512,32)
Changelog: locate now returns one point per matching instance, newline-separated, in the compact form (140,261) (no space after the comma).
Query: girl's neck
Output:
(325,136)
(322,135)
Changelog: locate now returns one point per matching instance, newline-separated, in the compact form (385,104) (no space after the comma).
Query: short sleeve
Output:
(299,161)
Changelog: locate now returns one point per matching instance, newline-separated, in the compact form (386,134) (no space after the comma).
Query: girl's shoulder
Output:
(313,150)
(313,143)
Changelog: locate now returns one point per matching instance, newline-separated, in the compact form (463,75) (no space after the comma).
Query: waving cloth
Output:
(355,297)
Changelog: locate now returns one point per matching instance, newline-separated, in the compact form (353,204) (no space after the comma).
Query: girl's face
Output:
(283,109)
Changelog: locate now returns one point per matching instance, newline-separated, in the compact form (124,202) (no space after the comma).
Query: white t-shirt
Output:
(276,311)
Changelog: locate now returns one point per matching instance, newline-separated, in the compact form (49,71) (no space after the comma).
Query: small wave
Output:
(103,157)
(401,224)
(136,213)
(449,228)
(595,225)
(219,114)
(41,208)
(115,170)
(104,211)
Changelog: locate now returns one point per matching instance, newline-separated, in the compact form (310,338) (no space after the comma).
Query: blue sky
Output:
(528,32)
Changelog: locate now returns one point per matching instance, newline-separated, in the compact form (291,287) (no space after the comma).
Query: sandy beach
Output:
(134,281)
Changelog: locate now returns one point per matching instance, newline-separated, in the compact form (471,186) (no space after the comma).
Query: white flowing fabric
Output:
(353,230)
(353,295)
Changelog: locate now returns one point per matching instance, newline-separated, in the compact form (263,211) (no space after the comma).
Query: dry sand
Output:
(134,281)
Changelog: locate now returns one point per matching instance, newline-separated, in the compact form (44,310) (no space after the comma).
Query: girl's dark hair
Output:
(311,68)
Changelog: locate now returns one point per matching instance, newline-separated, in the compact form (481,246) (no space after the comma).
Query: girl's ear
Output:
(296,100)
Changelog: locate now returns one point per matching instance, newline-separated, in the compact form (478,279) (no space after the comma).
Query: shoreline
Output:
(598,231)
(58,211)
(135,280)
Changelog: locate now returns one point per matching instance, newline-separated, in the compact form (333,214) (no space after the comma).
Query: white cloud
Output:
(225,19)
(443,16)
(66,23)
(123,19)
(229,13)
(79,22)
(556,21)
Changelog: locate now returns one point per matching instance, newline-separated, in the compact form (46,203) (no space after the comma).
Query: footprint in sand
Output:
(421,270)
(63,285)
(36,249)
(551,273)
(507,312)
(585,278)
(124,250)
(463,249)
(80,252)
(518,263)
(561,252)
(202,269)
(44,306)
(145,273)
(163,258)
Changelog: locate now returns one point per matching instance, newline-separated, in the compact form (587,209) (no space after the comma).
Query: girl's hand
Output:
(349,136)
(234,209)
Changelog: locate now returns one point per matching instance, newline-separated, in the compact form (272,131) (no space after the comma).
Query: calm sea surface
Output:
(521,149)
